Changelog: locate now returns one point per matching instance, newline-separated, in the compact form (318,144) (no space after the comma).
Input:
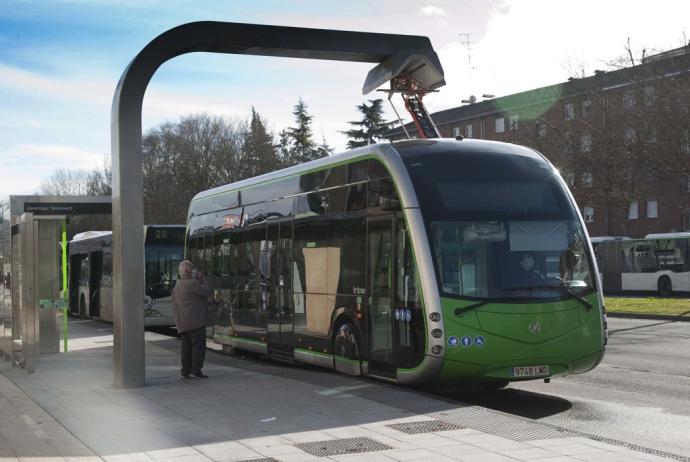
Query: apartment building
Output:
(620,139)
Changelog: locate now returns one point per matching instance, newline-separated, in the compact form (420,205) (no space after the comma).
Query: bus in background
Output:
(91,273)
(606,253)
(659,262)
(415,261)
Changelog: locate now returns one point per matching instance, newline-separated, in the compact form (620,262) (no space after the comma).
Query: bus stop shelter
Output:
(33,230)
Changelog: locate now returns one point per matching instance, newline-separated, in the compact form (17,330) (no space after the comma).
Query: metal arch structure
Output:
(395,55)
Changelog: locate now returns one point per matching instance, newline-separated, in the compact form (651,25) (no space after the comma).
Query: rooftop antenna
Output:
(468,43)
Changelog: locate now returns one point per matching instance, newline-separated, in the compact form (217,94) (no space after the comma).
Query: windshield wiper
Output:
(465,309)
(566,289)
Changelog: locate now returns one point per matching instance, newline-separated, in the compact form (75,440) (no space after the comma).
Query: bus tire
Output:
(664,286)
(228,349)
(346,350)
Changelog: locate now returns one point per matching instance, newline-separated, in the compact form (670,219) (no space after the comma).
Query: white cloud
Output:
(17,122)
(26,165)
(528,45)
(431,10)
(36,84)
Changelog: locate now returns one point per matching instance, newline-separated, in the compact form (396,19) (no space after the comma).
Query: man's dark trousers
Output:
(193,350)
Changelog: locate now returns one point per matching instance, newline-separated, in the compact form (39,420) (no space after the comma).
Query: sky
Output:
(60,61)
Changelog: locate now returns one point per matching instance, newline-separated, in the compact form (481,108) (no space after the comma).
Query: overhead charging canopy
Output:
(396,56)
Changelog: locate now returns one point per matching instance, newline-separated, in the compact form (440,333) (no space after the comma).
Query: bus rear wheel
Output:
(664,286)
(346,350)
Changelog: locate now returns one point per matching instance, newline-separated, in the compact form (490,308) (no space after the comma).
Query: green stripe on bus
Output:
(314,353)
(238,339)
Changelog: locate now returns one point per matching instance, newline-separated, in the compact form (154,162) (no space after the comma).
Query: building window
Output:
(648,96)
(587,180)
(651,136)
(685,142)
(629,135)
(686,220)
(586,143)
(652,209)
(514,123)
(570,179)
(468,131)
(628,101)
(588,213)
(586,108)
(456,131)
(541,129)
(569,111)
(633,213)
(500,125)
(685,183)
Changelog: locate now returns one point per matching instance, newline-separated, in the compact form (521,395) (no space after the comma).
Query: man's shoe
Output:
(200,375)
(184,376)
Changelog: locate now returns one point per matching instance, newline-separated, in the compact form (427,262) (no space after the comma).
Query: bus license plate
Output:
(529,371)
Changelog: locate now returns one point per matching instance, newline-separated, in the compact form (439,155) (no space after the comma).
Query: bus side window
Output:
(349,236)
(382,196)
(357,198)
(224,259)
(107,273)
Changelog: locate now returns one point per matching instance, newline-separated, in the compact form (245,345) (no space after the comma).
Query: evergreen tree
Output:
(303,148)
(285,149)
(371,127)
(258,153)
(324,149)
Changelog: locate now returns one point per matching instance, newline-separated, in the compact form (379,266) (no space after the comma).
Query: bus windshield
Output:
(510,259)
(162,263)
(501,227)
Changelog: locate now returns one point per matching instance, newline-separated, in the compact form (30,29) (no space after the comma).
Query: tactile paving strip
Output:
(424,426)
(269,459)
(524,429)
(500,425)
(342,446)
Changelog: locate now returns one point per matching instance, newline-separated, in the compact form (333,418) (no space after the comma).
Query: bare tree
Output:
(66,183)
(100,180)
(181,159)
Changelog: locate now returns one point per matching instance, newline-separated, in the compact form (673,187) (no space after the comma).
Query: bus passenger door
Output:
(380,296)
(279,319)
(95,270)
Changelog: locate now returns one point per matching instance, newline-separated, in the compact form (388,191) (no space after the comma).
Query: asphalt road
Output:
(639,394)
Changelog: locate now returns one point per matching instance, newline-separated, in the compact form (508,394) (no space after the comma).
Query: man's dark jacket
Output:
(190,303)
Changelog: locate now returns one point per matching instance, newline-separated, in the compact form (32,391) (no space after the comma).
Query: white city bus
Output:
(657,263)
(91,273)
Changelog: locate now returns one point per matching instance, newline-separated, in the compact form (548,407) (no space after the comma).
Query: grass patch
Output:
(648,305)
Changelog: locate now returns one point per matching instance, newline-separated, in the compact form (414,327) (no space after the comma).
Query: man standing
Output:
(190,305)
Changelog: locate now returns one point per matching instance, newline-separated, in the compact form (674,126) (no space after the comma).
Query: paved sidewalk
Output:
(252,410)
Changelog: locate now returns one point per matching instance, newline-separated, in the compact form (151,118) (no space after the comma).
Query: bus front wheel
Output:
(664,286)
(346,350)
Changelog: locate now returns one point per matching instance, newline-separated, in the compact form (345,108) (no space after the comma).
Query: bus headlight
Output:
(437,333)
(436,349)
(435,317)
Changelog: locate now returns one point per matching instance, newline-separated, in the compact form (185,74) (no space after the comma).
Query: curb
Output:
(660,317)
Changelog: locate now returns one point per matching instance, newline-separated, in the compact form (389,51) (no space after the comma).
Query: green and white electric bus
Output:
(406,262)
